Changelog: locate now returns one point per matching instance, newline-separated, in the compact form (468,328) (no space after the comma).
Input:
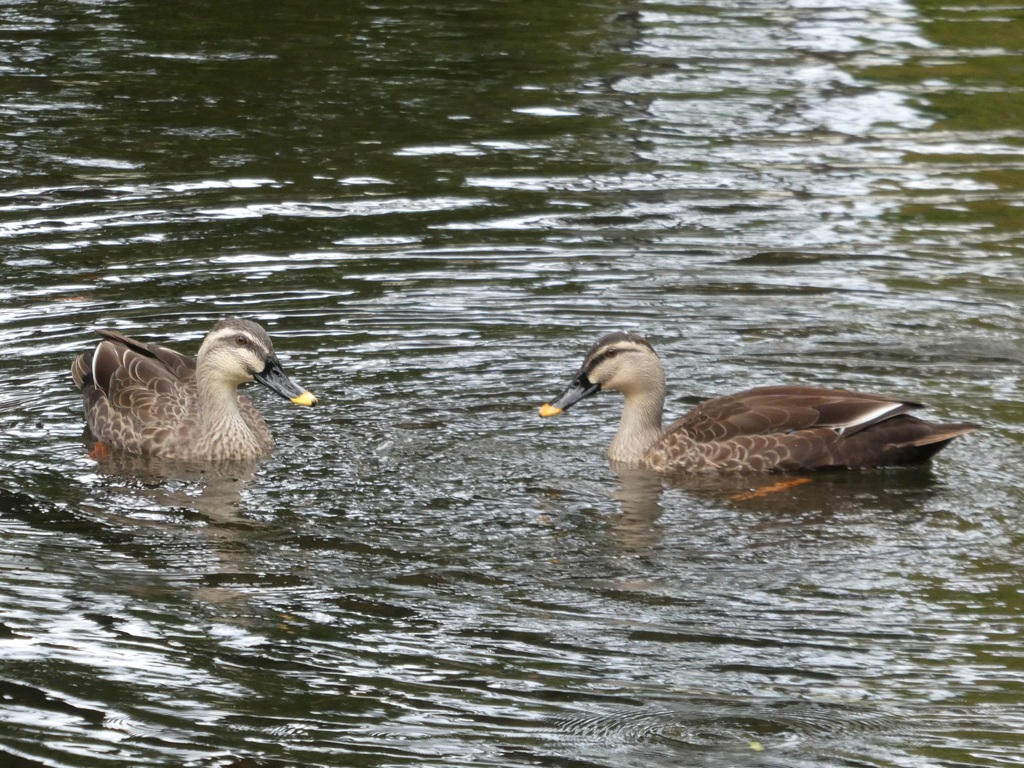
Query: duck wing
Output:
(134,390)
(124,347)
(119,360)
(785,410)
(794,428)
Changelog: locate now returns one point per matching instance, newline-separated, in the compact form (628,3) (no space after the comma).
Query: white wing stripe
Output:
(869,417)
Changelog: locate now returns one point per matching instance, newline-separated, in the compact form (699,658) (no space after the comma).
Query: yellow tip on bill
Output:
(306,398)
(548,410)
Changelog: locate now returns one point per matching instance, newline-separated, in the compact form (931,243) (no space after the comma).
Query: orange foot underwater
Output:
(773,488)
(99,452)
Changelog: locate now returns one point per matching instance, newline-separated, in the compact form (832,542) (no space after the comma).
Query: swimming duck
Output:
(783,428)
(147,399)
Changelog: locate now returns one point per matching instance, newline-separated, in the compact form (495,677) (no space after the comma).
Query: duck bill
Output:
(274,379)
(579,388)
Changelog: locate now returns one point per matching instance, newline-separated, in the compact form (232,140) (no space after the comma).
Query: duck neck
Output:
(640,426)
(220,405)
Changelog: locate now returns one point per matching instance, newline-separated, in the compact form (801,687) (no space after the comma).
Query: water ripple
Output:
(435,213)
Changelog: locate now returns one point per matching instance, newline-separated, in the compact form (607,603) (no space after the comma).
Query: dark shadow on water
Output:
(896,492)
(211,489)
(900,492)
(186,528)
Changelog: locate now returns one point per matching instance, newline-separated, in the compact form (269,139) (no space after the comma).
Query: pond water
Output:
(435,209)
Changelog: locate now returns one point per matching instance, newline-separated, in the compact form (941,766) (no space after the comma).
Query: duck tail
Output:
(902,440)
(942,433)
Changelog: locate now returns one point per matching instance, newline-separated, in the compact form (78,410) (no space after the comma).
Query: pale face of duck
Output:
(237,352)
(619,361)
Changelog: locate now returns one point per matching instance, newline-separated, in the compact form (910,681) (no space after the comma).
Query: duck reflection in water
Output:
(808,501)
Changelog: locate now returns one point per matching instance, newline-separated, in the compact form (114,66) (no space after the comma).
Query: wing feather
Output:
(775,410)
(129,386)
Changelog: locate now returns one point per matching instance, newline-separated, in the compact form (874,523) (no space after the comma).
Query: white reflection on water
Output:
(424,573)
(859,115)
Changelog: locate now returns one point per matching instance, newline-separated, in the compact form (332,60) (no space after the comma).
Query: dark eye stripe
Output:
(606,354)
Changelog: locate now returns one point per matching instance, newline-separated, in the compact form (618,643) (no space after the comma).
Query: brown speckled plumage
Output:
(147,399)
(766,429)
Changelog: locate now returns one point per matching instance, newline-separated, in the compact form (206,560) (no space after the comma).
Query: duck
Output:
(766,429)
(145,399)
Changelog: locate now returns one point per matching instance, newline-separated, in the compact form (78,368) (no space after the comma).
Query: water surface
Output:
(435,211)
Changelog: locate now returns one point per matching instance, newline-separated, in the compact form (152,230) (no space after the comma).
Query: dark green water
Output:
(435,208)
